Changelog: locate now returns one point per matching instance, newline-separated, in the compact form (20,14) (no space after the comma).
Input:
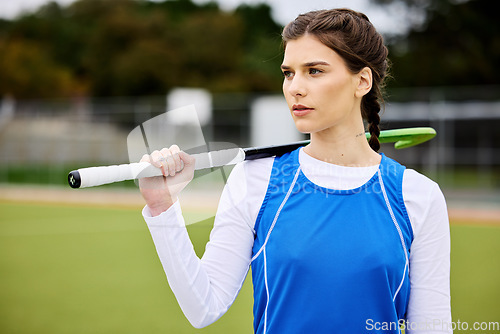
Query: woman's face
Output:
(319,89)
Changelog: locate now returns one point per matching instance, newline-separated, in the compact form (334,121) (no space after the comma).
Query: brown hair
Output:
(353,37)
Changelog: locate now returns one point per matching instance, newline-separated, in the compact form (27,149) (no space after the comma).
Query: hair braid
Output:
(370,108)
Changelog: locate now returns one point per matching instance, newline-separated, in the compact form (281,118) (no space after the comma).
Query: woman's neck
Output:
(344,148)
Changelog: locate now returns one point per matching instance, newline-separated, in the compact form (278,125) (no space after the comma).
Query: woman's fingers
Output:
(175,150)
(159,161)
(187,159)
(161,192)
(170,160)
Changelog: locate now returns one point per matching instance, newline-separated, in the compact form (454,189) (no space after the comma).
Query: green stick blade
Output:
(403,138)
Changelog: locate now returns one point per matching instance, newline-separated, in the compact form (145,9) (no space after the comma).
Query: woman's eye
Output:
(314,71)
(287,74)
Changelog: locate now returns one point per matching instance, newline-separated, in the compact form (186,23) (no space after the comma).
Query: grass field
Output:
(75,269)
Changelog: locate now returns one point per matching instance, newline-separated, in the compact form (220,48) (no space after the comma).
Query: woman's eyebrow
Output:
(315,63)
(308,64)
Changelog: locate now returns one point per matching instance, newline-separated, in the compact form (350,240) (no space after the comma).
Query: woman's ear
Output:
(364,80)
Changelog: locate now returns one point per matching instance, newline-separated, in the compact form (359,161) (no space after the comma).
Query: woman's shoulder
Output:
(416,183)
(424,201)
(420,191)
(249,179)
(258,164)
(245,190)
(251,171)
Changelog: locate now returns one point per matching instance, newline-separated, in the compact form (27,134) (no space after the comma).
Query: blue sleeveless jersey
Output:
(331,261)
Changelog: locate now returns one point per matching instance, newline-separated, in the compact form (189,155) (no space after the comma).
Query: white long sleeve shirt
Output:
(205,288)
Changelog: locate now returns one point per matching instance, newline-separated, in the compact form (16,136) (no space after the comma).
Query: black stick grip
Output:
(253,153)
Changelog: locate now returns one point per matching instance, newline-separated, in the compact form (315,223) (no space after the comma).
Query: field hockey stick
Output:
(96,176)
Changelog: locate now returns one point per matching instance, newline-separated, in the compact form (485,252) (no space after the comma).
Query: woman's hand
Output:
(160,192)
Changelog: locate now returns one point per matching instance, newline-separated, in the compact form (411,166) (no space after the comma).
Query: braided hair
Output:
(351,35)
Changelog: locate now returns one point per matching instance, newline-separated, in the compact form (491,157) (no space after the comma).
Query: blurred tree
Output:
(55,44)
(457,43)
(262,47)
(27,71)
(114,55)
(211,47)
(140,47)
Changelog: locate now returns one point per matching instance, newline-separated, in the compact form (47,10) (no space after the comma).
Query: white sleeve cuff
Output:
(172,217)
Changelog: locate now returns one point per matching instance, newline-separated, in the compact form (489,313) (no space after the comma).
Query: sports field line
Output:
(201,200)
(194,200)
(482,216)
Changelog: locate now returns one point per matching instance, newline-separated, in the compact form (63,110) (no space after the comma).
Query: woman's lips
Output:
(301,110)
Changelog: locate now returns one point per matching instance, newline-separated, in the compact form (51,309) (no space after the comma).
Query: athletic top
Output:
(331,258)
(205,288)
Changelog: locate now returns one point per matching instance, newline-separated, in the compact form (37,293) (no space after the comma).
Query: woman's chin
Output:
(303,130)
(305,127)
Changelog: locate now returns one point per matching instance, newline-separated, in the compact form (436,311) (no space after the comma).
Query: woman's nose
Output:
(297,87)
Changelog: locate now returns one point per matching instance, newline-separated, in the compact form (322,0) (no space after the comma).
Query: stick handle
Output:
(96,176)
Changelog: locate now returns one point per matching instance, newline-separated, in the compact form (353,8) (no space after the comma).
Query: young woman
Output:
(340,238)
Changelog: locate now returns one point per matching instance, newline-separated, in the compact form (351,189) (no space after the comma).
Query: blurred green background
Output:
(87,269)
(70,269)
